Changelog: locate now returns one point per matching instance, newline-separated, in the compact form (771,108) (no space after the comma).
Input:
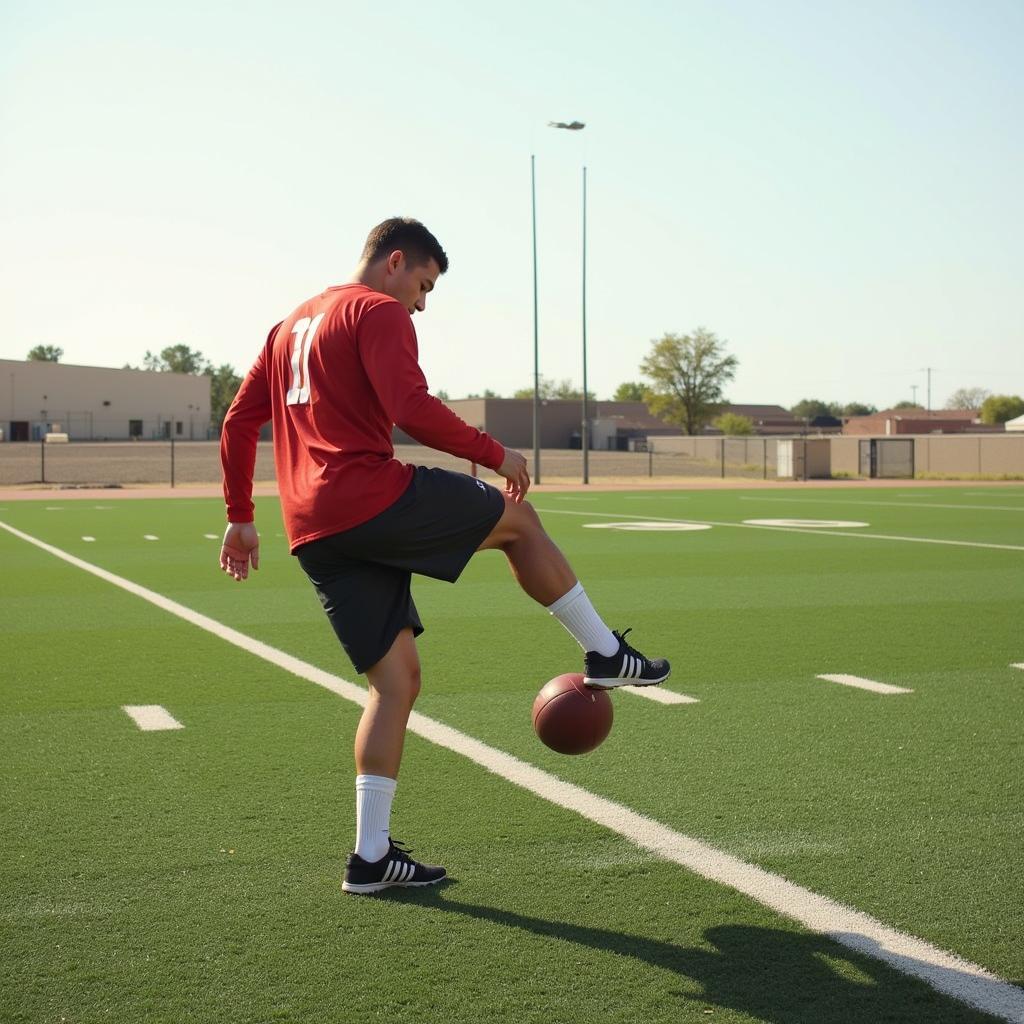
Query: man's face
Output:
(410,284)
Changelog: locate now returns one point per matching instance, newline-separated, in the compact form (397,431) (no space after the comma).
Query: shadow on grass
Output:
(776,976)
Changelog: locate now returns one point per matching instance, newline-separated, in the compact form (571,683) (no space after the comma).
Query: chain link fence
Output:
(117,463)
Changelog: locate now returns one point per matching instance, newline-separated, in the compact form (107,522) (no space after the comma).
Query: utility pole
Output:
(913,393)
(928,369)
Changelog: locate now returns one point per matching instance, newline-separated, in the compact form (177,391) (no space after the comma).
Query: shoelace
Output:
(401,850)
(629,650)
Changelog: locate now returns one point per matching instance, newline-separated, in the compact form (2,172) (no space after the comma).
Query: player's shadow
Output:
(776,976)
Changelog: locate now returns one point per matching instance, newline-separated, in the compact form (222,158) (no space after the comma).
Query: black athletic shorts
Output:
(362,576)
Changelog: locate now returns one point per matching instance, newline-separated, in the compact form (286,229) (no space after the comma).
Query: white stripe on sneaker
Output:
(389,871)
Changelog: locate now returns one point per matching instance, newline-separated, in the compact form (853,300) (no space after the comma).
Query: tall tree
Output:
(689,373)
(1000,408)
(967,398)
(630,391)
(176,359)
(908,405)
(45,354)
(224,383)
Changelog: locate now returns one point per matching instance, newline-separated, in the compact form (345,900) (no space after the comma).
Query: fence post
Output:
(764,458)
(650,461)
(42,459)
(723,456)
(172,462)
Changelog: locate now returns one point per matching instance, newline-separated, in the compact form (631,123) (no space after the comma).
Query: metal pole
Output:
(586,413)
(536,350)
(172,461)
(764,459)
(42,459)
(723,457)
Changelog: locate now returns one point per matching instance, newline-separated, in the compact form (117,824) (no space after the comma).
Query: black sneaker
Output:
(396,867)
(626,667)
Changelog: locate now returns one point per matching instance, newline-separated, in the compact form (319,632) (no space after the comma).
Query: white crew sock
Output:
(576,613)
(374,794)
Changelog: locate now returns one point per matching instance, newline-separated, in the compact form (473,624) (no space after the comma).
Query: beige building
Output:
(99,403)
(613,425)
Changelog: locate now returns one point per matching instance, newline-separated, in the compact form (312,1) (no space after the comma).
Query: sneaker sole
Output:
(613,684)
(372,887)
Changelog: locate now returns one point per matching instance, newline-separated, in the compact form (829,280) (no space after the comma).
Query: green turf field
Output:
(195,874)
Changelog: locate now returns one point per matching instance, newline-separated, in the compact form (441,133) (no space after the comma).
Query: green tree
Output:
(45,354)
(176,359)
(857,409)
(488,393)
(689,372)
(811,408)
(908,405)
(967,398)
(442,394)
(630,391)
(224,383)
(1000,408)
(734,425)
(551,389)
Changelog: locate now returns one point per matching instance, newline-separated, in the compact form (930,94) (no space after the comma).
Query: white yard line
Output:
(864,684)
(151,717)
(889,504)
(149,536)
(789,529)
(658,695)
(944,971)
(1019,664)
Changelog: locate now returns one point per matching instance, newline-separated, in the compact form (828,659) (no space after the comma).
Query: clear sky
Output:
(834,188)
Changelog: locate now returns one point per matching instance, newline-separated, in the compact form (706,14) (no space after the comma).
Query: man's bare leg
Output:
(544,573)
(394,683)
(536,561)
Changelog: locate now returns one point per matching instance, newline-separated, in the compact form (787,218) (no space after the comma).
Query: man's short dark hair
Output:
(408,235)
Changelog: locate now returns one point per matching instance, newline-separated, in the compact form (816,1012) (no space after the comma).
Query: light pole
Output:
(536,356)
(577,126)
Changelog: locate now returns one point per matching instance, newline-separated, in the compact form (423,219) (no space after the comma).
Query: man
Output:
(334,377)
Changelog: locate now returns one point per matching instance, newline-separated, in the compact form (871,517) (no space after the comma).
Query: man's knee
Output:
(517,521)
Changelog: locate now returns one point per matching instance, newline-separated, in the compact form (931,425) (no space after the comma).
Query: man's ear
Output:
(395,261)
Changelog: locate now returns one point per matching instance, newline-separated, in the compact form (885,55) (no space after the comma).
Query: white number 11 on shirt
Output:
(304,331)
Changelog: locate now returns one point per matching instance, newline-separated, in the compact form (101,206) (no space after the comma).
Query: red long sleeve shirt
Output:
(334,377)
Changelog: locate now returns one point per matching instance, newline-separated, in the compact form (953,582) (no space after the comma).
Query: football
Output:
(570,717)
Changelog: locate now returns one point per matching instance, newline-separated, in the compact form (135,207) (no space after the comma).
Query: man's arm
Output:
(387,346)
(238,439)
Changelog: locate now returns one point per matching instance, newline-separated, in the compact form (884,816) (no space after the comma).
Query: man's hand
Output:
(517,480)
(241,546)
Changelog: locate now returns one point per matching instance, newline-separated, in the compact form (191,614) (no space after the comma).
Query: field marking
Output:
(660,696)
(211,536)
(792,529)
(1019,664)
(863,684)
(151,717)
(946,972)
(89,540)
(659,526)
(807,524)
(149,536)
(889,504)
